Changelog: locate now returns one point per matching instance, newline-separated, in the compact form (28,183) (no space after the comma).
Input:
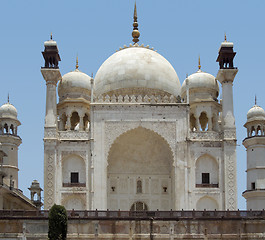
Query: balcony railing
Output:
(74,184)
(208,135)
(73,135)
(207,185)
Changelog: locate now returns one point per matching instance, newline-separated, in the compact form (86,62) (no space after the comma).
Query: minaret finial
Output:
(225,37)
(199,65)
(8,97)
(135,32)
(91,75)
(51,35)
(255,99)
(76,64)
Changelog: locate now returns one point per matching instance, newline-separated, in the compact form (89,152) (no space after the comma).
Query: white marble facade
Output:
(133,138)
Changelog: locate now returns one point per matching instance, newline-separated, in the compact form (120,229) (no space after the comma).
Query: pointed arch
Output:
(207,203)
(206,171)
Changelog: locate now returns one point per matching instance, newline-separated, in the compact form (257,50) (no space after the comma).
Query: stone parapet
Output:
(138,225)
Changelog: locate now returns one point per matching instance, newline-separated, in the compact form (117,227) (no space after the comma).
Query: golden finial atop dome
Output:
(199,65)
(225,37)
(76,63)
(135,32)
(51,36)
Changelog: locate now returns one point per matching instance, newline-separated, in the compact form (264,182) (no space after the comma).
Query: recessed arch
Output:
(74,201)
(73,171)
(140,137)
(140,162)
(206,171)
(207,203)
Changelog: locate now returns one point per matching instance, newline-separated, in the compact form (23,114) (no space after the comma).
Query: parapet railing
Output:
(137,215)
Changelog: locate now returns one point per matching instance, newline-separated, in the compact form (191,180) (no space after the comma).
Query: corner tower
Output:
(51,75)
(255,146)
(9,143)
(226,76)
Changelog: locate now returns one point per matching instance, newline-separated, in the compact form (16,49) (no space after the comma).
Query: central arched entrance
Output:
(140,170)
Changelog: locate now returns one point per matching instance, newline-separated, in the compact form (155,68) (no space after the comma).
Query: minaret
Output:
(51,75)
(9,143)
(225,76)
(255,146)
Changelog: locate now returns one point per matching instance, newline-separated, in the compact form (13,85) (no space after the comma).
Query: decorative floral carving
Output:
(137,99)
(50,133)
(211,135)
(73,135)
(49,188)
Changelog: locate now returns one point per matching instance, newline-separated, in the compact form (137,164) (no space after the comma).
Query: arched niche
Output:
(73,171)
(74,202)
(141,151)
(206,171)
(140,163)
(207,203)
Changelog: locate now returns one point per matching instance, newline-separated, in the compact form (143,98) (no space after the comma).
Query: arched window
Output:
(73,171)
(5,128)
(192,123)
(75,121)
(86,122)
(63,121)
(139,188)
(203,121)
(252,132)
(12,129)
(259,131)
(139,206)
(207,172)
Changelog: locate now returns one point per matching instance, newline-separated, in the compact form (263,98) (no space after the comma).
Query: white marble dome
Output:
(136,69)
(7,110)
(201,81)
(255,113)
(74,84)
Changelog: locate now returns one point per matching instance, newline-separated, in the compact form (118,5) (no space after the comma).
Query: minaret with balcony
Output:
(9,143)
(255,146)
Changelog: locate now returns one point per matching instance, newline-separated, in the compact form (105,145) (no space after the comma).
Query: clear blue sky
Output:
(179,29)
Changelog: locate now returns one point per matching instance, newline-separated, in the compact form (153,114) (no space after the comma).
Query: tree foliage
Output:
(57,223)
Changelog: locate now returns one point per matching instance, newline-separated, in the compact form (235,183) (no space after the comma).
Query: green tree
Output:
(57,223)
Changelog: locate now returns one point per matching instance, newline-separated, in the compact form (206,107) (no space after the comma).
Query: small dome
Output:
(50,43)
(201,81)
(8,111)
(136,70)
(74,84)
(256,113)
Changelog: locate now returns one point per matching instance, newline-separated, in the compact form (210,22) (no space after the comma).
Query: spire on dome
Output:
(255,100)
(225,37)
(51,35)
(8,97)
(199,63)
(76,64)
(135,32)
